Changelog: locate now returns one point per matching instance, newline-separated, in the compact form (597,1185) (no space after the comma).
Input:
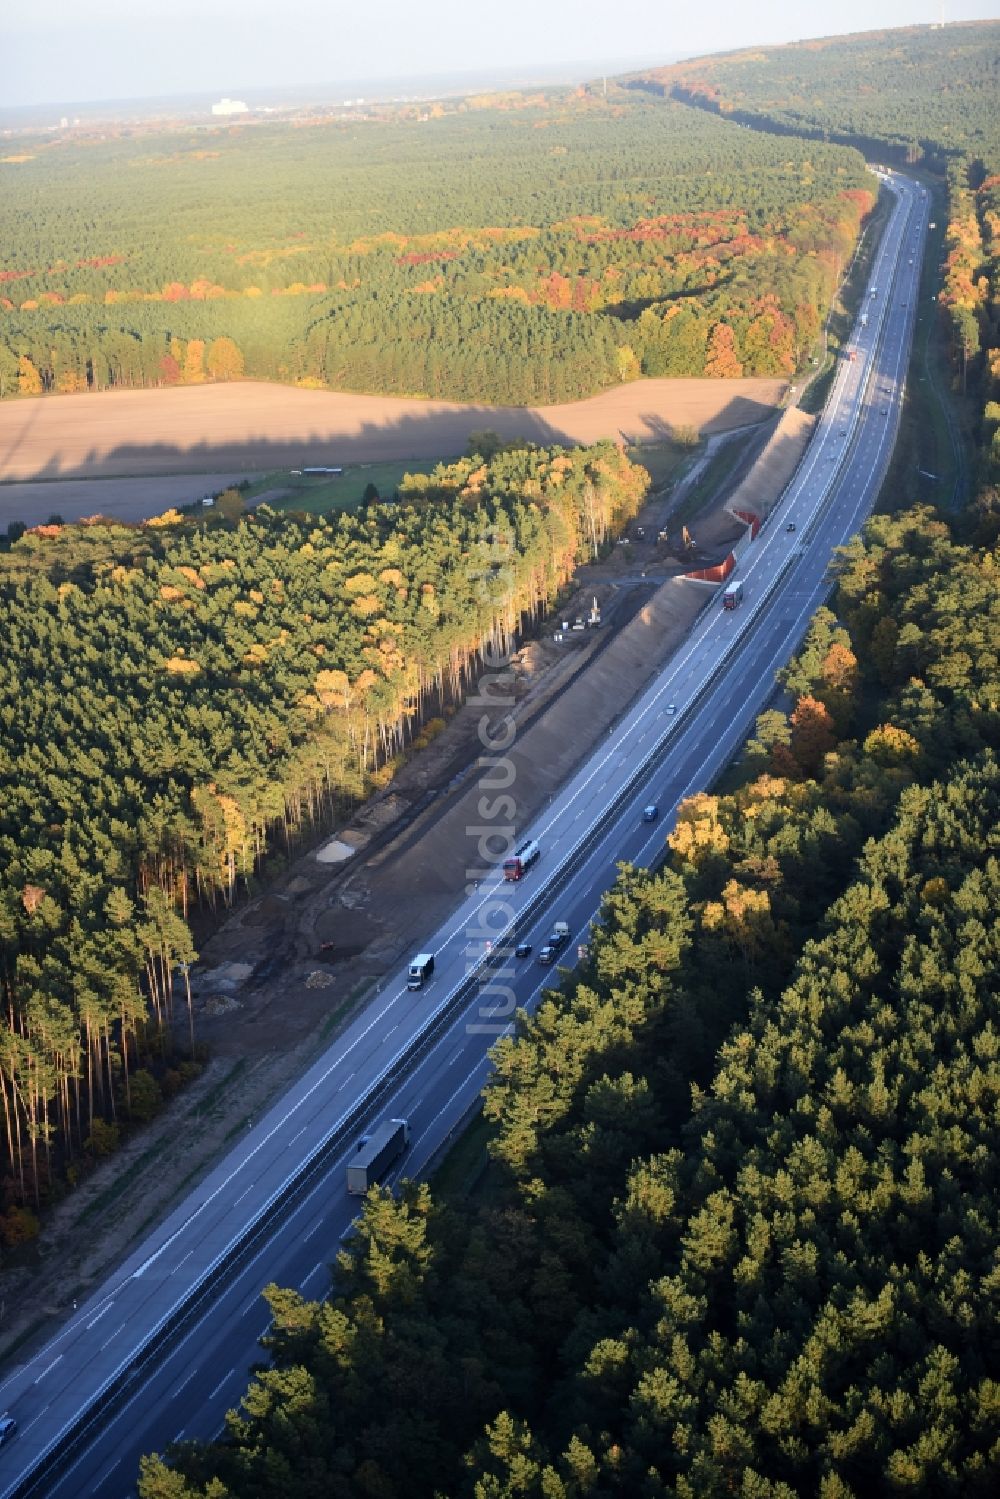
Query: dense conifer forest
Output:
(738,1233)
(533,255)
(925,93)
(923,96)
(181,696)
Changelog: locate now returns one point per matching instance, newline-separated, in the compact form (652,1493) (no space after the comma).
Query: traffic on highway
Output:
(163,1349)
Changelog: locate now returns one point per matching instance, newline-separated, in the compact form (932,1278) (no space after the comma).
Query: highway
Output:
(189,1296)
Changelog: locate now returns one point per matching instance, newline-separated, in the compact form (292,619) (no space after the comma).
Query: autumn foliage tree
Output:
(812,734)
(722,361)
(194,354)
(224,360)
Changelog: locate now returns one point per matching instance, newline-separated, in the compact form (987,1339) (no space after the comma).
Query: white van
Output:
(420,970)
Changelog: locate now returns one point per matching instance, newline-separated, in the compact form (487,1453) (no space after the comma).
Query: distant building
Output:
(229,107)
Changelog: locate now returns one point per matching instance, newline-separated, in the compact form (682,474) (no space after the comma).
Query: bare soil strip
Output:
(764,485)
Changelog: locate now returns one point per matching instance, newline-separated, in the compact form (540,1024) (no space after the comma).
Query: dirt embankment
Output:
(763,486)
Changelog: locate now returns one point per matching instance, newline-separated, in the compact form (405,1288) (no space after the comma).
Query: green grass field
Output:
(663,461)
(321,493)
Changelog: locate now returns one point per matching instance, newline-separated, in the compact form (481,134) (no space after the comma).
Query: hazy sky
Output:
(64,50)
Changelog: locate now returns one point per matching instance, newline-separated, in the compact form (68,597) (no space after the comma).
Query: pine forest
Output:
(180,696)
(734,1224)
(514,256)
(738,1230)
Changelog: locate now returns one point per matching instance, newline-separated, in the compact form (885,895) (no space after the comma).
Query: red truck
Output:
(521,860)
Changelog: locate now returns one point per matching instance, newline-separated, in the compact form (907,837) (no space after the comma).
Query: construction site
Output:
(282,974)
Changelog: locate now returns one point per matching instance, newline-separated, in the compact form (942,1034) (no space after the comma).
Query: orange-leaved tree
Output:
(224,360)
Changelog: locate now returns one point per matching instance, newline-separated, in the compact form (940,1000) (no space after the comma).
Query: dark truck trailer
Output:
(376,1153)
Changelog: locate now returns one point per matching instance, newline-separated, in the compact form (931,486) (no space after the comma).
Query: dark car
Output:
(650,813)
(556,940)
(546,955)
(8,1429)
(790,526)
(522,950)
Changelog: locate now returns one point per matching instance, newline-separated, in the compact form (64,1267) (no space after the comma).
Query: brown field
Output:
(250,427)
(119,499)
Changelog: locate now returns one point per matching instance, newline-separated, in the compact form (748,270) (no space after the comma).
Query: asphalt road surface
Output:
(423,1056)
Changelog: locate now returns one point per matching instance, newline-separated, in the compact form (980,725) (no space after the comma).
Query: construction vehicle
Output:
(375,1154)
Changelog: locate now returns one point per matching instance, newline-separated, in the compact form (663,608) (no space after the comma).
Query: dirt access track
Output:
(249,428)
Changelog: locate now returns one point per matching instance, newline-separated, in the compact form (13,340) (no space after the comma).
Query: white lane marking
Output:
(483,1061)
(49,1367)
(180,1262)
(304,1282)
(184,1384)
(223,1381)
(102,1313)
(314,1230)
(105,1476)
(114,1335)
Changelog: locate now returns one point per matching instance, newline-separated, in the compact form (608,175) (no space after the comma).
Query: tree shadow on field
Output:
(128,476)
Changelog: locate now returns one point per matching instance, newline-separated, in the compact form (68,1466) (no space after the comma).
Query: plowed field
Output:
(253,427)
